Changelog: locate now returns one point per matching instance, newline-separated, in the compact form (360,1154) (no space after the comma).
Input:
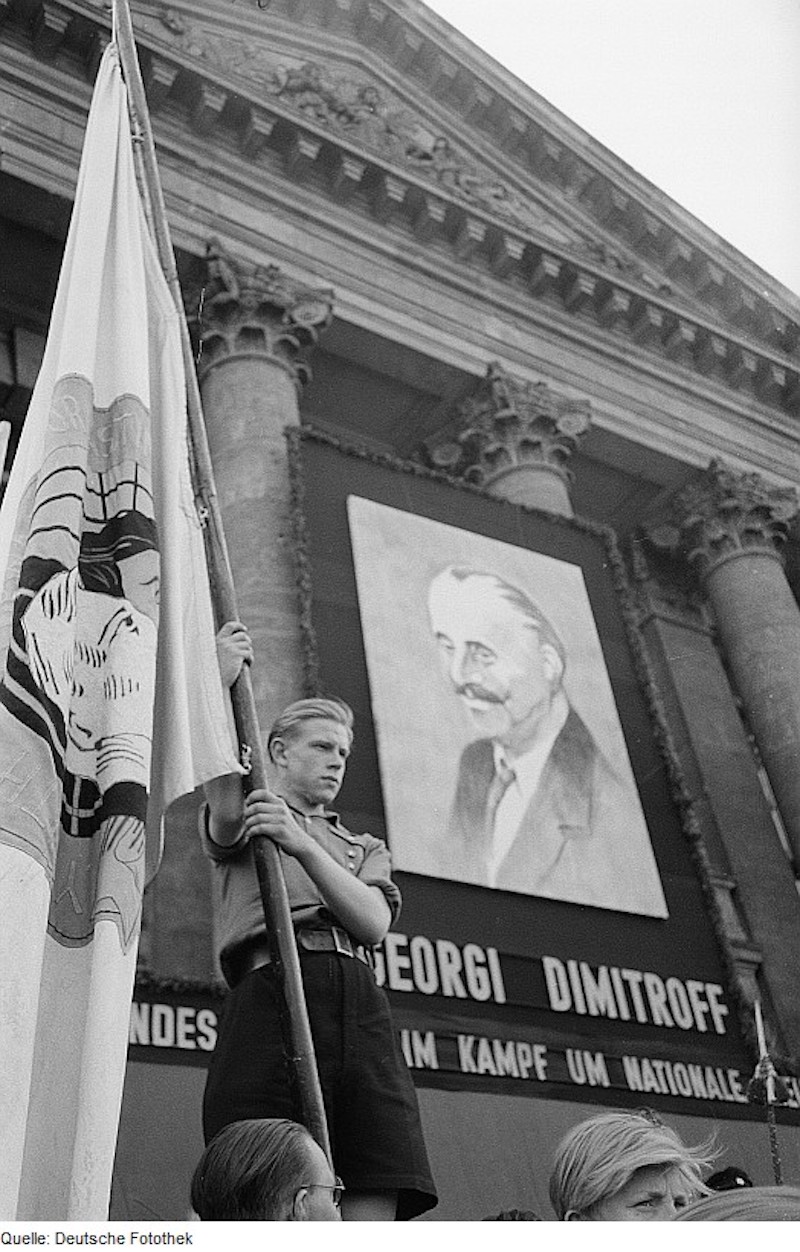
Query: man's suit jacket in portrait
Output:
(581,838)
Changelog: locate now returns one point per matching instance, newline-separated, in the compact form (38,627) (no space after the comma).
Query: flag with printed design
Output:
(111,704)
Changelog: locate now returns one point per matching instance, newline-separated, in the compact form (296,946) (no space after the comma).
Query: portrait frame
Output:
(577,830)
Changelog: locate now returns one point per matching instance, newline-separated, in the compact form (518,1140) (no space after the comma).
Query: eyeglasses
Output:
(336,1188)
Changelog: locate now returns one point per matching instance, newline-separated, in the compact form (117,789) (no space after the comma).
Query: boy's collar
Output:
(329,814)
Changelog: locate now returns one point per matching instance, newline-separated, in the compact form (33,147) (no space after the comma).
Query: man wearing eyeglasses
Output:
(265,1170)
(342,900)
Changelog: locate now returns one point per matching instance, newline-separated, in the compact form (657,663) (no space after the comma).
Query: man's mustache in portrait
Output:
(473,692)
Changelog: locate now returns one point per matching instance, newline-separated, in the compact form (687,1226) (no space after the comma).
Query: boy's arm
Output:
(225,798)
(362,909)
(226,795)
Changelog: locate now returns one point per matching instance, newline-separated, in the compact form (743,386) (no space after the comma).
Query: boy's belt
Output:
(252,956)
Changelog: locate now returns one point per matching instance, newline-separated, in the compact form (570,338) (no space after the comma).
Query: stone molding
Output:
(435,192)
(510,424)
(725,514)
(257,310)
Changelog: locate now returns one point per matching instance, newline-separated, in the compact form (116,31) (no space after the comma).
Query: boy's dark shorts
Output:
(370,1102)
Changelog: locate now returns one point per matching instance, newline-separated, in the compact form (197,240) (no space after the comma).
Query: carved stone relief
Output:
(374,118)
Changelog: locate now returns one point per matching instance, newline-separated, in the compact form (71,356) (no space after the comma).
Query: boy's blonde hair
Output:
(294,715)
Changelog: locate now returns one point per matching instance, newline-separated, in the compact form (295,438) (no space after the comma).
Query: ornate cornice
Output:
(724,514)
(509,424)
(357,143)
(257,310)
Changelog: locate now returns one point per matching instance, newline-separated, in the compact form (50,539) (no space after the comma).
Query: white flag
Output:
(106,647)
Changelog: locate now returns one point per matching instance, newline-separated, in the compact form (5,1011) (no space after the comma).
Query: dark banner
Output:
(446,619)
(485,1054)
(482,975)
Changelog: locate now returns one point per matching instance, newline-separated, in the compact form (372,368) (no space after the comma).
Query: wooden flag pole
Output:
(277,913)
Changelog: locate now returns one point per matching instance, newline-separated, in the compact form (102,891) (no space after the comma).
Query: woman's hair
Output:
(251,1171)
(598,1157)
(746,1204)
(292,717)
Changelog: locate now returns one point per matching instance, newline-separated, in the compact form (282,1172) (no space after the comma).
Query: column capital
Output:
(257,310)
(508,425)
(726,514)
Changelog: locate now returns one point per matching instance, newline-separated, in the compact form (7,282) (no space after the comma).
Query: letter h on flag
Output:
(111,703)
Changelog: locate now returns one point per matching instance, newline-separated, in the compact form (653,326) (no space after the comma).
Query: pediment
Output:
(357,95)
(379,106)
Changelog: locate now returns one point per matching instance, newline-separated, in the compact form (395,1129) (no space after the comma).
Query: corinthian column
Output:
(256,327)
(515,438)
(731,526)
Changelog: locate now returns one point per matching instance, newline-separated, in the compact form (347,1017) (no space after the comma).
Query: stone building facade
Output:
(385,237)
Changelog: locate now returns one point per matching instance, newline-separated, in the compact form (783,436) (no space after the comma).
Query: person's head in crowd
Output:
(627,1167)
(265,1170)
(746,1204)
(514,1215)
(729,1179)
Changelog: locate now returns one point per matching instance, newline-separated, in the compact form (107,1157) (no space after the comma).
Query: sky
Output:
(702,97)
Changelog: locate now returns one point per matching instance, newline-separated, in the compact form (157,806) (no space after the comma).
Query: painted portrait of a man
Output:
(503,760)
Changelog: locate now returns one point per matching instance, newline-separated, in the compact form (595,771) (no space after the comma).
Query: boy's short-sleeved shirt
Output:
(238,899)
